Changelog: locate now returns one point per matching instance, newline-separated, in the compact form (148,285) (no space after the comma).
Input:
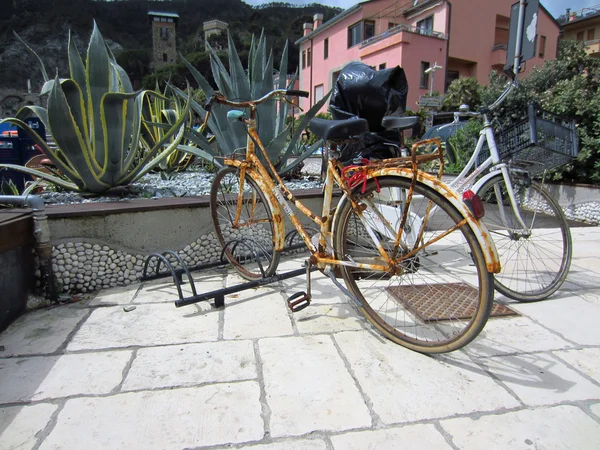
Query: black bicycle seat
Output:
(332,130)
(398,123)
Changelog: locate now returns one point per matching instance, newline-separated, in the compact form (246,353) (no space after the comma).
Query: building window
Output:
(326,48)
(590,35)
(164,57)
(391,25)
(318,93)
(450,77)
(334,77)
(425,26)
(308,58)
(164,33)
(360,31)
(382,66)
(542,47)
(369,29)
(424,84)
(304,59)
(580,36)
(354,35)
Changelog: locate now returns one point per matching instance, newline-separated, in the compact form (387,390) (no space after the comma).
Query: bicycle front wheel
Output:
(437,299)
(535,259)
(247,238)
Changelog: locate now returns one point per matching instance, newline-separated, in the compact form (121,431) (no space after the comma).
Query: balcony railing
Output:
(593,46)
(399,28)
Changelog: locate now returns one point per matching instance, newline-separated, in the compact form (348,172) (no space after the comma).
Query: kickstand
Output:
(301,300)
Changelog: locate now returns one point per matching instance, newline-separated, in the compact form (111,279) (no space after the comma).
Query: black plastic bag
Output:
(361,91)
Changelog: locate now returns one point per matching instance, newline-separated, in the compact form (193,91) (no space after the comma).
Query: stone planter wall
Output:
(101,245)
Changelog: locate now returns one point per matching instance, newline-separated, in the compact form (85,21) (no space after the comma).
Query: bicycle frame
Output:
(467,177)
(279,196)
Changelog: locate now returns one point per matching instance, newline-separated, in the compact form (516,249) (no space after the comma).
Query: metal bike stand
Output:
(219,294)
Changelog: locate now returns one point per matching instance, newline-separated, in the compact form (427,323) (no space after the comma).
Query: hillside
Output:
(45,24)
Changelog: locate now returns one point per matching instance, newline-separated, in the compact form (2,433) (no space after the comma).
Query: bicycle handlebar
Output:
(512,84)
(220,98)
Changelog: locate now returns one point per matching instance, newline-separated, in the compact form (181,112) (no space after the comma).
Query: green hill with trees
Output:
(44,25)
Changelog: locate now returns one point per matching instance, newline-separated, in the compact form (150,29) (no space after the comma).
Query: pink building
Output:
(468,38)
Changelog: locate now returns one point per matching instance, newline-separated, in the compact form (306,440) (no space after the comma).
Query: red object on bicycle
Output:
(357,175)
(474,203)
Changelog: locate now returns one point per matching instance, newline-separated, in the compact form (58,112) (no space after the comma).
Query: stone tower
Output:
(164,50)
(213,27)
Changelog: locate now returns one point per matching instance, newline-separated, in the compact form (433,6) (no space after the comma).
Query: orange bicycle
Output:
(414,257)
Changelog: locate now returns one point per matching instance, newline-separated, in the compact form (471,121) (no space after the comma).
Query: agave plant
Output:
(158,119)
(240,84)
(95,119)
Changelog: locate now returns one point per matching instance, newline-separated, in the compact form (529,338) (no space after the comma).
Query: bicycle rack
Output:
(219,294)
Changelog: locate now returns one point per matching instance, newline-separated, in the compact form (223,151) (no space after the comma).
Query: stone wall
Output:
(96,246)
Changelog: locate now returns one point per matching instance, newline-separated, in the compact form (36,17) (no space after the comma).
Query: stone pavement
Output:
(91,375)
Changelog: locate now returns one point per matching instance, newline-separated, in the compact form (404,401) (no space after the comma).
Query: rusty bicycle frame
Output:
(279,196)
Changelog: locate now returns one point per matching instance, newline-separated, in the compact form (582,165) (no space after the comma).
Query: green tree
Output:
(568,86)
(462,91)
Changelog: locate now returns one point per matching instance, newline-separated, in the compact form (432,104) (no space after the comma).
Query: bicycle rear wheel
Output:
(535,260)
(249,243)
(439,299)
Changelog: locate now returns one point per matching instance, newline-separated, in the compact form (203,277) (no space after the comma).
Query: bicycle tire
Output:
(425,305)
(249,246)
(535,262)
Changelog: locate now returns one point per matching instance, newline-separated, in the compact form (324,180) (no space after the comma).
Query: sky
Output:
(556,7)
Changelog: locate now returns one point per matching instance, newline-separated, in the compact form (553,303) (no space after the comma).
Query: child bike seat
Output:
(332,130)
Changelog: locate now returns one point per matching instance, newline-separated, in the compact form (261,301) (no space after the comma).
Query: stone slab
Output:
(42,331)
(559,428)
(573,317)
(586,360)
(299,444)
(591,296)
(585,248)
(415,437)
(176,418)
(541,379)
(191,364)
(509,335)
(48,377)
(147,325)
(583,276)
(115,296)
(256,314)
(595,408)
(328,319)
(20,424)
(308,387)
(404,386)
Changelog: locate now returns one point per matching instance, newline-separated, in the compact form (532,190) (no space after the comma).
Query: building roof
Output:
(163,14)
(579,18)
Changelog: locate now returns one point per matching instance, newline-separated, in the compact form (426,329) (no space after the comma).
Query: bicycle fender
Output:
(477,186)
(278,219)
(478,227)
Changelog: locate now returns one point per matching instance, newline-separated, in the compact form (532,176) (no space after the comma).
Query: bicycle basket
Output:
(540,142)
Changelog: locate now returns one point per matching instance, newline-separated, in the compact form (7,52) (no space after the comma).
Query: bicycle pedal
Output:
(298,301)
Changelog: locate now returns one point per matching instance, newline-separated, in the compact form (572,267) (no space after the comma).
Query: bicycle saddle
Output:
(398,123)
(331,130)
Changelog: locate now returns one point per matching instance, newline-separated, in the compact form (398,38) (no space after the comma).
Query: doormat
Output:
(451,301)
